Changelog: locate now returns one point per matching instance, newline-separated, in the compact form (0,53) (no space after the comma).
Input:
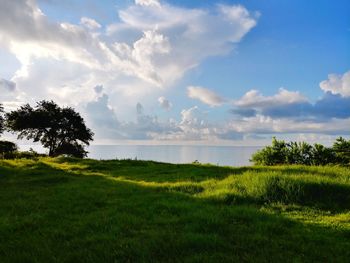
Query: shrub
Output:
(342,150)
(271,155)
(303,153)
(7,149)
(31,154)
(299,153)
(322,155)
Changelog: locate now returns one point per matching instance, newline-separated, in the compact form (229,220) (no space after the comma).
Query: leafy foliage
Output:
(272,155)
(303,153)
(61,130)
(1,119)
(342,150)
(322,155)
(7,149)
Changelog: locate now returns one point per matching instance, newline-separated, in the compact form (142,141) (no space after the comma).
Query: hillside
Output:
(59,210)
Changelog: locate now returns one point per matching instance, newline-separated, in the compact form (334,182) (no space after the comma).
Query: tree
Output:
(1,119)
(342,150)
(322,155)
(61,130)
(303,153)
(272,155)
(7,149)
(299,153)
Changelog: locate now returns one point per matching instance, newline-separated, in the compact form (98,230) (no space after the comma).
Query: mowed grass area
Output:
(70,210)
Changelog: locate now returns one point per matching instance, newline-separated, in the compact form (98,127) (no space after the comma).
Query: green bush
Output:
(31,154)
(280,153)
(342,150)
(7,149)
(322,155)
(271,155)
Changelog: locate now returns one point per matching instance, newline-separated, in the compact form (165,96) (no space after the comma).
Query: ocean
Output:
(218,155)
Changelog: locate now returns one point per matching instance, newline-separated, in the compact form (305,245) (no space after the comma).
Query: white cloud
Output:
(90,23)
(337,84)
(147,3)
(267,125)
(151,49)
(205,95)
(98,89)
(194,34)
(240,15)
(164,103)
(254,99)
(7,85)
(147,50)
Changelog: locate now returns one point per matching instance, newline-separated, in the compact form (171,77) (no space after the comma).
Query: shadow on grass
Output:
(96,218)
(326,196)
(151,171)
(161,172)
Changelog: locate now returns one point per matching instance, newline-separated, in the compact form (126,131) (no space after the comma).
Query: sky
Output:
(183,72)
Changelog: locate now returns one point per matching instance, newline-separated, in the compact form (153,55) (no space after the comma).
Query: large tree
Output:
(61,130)
(1,119)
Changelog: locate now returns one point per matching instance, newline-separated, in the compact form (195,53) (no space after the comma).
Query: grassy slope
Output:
(56,210)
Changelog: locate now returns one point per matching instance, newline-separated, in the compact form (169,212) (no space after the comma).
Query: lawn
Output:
(70,210)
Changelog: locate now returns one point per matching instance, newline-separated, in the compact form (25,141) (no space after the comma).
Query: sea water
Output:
(219,155)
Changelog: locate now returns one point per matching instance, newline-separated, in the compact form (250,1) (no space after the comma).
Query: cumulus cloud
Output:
(331,106)
(10,96)
(194,34)
(102,117)
(149,47)
(147,3)
(337,84)
(7,85)
(260,124)
(287,104)
(290,112)
(164,103)
(205,95)
(254,99)
(90,23)
(193,125)
(98,89)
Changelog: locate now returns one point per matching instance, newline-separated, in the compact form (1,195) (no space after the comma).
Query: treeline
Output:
(61,130)
(281,152)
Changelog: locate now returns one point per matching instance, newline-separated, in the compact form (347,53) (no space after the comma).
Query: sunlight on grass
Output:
(136,210)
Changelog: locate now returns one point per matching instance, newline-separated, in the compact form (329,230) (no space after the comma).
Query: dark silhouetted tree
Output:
(322,155)
(7,149)
(1,119)
(61,130)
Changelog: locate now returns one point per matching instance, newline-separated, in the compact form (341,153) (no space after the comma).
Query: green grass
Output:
(69,210)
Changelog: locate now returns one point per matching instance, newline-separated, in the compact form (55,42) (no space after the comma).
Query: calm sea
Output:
(220,155)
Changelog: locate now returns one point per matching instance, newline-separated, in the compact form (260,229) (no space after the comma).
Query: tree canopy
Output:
(342,150)
(61,130)
(7,149)
(1,119)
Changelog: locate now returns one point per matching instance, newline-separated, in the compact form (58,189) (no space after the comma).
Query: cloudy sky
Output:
(175,71)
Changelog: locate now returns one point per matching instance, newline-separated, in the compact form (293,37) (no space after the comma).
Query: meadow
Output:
(83,210)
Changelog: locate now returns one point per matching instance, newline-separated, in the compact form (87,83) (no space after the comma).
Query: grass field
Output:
(68,210)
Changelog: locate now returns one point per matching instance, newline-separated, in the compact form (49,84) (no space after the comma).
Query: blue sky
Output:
(205,72)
